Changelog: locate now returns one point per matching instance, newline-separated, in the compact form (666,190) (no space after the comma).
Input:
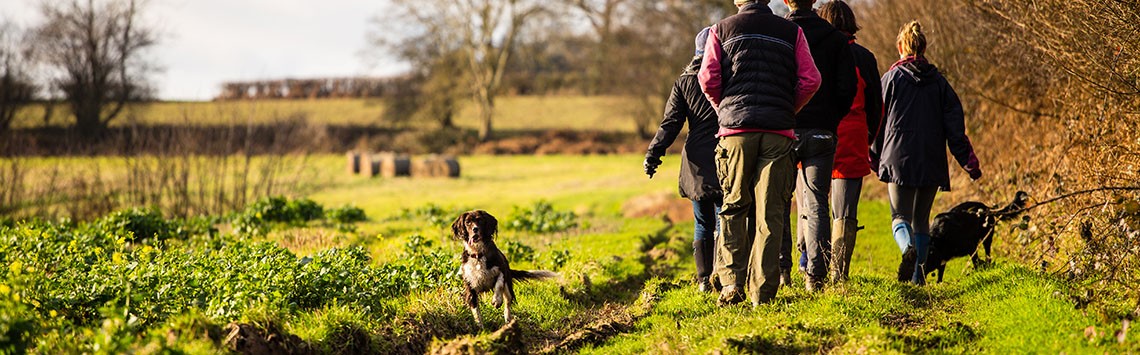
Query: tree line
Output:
(91,55)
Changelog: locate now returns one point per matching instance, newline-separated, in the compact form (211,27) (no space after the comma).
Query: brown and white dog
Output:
(485,268)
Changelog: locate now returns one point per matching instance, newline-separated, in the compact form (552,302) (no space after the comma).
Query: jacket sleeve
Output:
(954,124)
(872,95)
(846,81)
(880,132)
(710,74)
(676,110)
(808,75)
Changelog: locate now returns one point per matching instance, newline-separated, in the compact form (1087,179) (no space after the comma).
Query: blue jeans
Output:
(705,225)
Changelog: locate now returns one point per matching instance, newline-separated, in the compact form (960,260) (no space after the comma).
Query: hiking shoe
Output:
(785,278)
(703,285)
(730,295)
(906,266)
(813,285)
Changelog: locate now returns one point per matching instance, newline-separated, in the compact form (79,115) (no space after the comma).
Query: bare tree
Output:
(605,19)
(483,33)
(16,86)
(96,53)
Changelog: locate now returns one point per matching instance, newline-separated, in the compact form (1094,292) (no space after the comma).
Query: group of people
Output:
(777,106)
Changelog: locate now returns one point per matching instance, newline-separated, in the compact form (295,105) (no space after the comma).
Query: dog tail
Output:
(522,275)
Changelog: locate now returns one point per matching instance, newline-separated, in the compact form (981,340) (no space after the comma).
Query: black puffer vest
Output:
(759,70)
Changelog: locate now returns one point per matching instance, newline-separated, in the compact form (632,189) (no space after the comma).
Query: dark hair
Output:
(840,15)
(800,4)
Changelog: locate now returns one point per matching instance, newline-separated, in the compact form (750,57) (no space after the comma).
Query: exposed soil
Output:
(666,204)
(251,339)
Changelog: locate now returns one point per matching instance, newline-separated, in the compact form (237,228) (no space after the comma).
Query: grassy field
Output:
(624,285)
(513,113)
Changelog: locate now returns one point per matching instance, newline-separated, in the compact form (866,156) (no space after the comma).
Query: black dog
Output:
(485,268)
(958,232)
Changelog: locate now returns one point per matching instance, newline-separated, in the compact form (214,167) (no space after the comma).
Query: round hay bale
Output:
(353,163)
(436,166)
(392,165)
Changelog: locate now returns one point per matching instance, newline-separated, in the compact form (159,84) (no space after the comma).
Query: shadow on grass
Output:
(795,338)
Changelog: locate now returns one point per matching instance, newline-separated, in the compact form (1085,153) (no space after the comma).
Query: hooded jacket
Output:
(697,180)
(922,115)
(836,64)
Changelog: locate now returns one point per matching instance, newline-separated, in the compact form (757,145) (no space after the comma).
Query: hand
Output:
(974,169)
(975,173)
(651,164)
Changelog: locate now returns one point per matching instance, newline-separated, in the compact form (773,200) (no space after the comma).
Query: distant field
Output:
(605,113)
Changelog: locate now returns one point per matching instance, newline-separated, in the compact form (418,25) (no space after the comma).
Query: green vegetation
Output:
(137,282)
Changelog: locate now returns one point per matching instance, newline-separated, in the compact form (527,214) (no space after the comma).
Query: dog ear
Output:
(490,224)
(457,230)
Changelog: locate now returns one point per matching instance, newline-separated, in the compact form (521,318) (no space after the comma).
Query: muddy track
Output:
(606,318)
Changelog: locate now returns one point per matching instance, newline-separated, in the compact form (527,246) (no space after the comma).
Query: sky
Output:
(206,42)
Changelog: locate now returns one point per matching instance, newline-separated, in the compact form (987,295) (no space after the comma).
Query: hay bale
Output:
(393,165)
(353,163)
(436,166)
(370,165)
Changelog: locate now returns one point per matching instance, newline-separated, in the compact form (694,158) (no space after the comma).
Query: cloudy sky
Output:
(205,42)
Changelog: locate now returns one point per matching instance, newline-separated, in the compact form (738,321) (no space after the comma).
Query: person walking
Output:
(855,132)
(698,180)
(922,115)
(816,126)
(757,73)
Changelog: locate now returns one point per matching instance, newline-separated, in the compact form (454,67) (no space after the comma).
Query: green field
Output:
(388,284)
(601,113)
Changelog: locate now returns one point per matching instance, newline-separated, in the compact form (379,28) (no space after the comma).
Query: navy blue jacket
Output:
(922,116)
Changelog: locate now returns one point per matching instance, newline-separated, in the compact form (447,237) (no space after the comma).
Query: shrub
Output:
(517,251)
(541,218)
(346,214)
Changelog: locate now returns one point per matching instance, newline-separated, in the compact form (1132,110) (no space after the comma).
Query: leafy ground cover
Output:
(367,265)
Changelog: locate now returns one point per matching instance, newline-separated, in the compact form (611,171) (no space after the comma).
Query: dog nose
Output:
(476,229)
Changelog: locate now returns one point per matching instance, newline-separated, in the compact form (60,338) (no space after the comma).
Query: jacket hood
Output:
(815,27)
(694,65)
(918,71)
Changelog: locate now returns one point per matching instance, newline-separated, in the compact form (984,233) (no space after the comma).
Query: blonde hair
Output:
(911,40)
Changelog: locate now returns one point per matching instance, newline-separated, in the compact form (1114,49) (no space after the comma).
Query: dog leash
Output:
(1065,196)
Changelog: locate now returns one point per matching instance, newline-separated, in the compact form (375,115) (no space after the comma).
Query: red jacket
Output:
(852,158)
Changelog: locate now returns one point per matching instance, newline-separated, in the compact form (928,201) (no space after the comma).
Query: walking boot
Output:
(906,266)
(785,278)
(842,246)
(922,248)
(703,256)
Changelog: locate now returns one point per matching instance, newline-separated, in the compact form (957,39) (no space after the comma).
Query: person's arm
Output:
(872,94)
(880,132)
(710,73)
(954,124)
(806,71)
(846,82)
(676,111)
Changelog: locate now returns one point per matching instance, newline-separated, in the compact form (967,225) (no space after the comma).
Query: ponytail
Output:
(911,41)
